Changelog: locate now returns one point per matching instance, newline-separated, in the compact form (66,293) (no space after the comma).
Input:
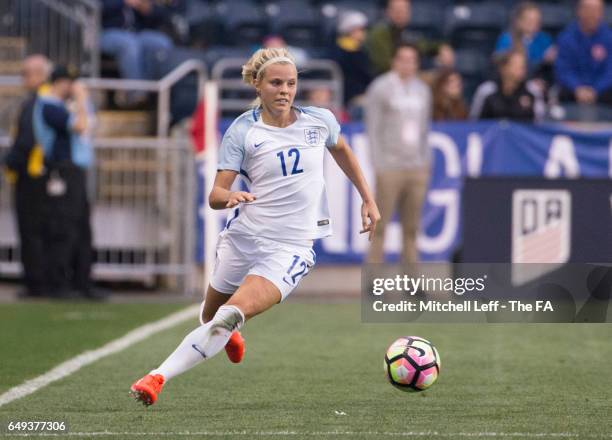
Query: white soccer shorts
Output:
(284,264)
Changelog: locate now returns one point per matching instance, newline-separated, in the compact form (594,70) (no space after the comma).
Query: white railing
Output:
(162,87)
(144,197)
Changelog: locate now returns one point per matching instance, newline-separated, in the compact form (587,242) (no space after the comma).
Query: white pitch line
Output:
(427,434)
(88,357)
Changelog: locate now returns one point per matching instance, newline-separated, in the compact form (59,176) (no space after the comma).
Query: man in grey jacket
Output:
(397,115)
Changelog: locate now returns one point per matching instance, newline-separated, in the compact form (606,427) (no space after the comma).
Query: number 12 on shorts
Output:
(297,270)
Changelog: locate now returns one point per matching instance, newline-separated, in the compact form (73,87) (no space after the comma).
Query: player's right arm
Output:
(221,197)
(231,158)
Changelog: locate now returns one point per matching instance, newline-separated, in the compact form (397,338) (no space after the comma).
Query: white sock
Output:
(202,343)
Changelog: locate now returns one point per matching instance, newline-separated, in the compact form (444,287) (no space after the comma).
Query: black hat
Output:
(61,72)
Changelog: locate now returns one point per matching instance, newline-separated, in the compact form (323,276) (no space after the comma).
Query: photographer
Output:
(68,153)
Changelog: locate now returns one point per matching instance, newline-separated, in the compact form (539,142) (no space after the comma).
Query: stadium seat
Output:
(7,16)
(12,52)
(183,100)
(475,25)
(205,28)
(298,22)
(215,53)
(10,102)
(475,68)
(585,113)
(245,22)
(555,16)
(426,19)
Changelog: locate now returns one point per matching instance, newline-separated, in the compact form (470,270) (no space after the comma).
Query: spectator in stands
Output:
(397,116)
(350,54)
(24,161)
(511,96)
(385,36)
(525,34)
(448,102)
(323,97)
(63,135)
(443,61)
(131,35)
(278,42)
(584,64)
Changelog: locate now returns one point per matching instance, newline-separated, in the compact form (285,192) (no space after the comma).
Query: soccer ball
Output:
(412,364)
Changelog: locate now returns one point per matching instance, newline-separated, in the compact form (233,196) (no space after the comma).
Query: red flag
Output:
(197,127)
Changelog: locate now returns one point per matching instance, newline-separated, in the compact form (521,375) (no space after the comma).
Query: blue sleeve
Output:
(539,46)
(232,150)
(604,82)
(565,65)
(504,42)
(546,40)
(56,117)
(328,118)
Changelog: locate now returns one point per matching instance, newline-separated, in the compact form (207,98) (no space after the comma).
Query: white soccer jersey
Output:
(284,170)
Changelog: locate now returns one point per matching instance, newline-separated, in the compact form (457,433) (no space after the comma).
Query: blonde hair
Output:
(254,68)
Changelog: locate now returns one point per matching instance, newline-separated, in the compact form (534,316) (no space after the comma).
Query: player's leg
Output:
(254,296)
(202,343)
(214,299)
(231,267)
(274,270)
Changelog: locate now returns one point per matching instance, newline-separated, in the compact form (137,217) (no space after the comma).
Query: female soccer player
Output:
(266,247)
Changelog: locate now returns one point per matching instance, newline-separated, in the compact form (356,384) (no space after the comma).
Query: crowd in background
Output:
(531,68)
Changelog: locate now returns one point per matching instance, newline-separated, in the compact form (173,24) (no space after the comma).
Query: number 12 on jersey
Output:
(292,152)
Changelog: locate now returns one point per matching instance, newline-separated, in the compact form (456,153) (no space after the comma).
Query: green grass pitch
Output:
(314,371)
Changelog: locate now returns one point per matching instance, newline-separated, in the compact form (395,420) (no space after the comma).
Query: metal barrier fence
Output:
(9,250)
(144,212)
(67,31)
(143,195)
(143,200)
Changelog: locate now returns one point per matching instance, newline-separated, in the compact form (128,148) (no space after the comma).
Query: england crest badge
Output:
(312,135)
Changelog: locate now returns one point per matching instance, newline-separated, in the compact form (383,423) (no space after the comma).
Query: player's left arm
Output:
(346,160)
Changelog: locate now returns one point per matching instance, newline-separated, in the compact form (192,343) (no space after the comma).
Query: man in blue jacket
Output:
(584,64)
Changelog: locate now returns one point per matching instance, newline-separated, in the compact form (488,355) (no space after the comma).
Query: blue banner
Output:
(460,150)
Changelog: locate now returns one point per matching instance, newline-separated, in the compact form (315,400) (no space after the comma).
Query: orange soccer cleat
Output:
(147,388)
(235,347)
